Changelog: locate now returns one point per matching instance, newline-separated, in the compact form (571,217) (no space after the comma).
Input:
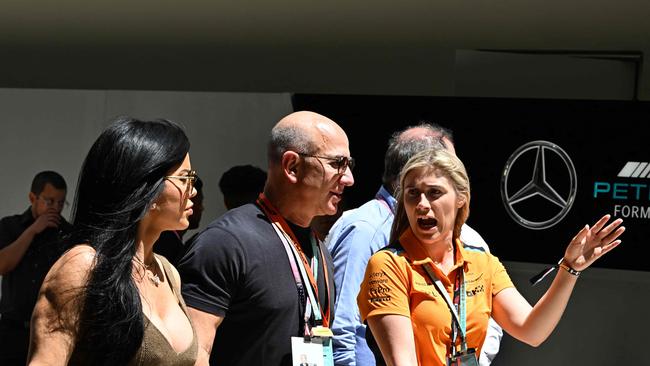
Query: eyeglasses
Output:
(339,162)
(187,180)
(50,202)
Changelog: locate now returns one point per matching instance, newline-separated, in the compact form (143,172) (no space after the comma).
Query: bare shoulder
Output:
(67,276)
(79,255)
(54,319)
(72,269)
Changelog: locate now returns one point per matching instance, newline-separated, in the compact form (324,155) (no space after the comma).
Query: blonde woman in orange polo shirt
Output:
(402,296)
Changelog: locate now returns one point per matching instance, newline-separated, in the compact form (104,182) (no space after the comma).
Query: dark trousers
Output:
(14,343)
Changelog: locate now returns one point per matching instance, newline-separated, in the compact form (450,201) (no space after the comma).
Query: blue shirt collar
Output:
(383,195)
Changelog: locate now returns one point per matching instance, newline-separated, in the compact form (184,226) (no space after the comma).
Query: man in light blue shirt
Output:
(361,232)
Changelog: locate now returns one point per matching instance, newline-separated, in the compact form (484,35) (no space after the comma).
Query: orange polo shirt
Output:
(394,284)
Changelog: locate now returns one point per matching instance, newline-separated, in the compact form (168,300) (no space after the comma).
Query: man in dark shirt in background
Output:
(29,244)
(241,184)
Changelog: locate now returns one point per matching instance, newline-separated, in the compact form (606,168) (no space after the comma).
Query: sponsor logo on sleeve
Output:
(379,291)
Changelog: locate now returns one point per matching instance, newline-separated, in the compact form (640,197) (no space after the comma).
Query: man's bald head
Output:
(304,132)
(427,130)
(406,143)
(306,176)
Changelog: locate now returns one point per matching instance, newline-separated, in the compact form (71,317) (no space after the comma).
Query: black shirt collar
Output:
(27,218)
(303,234)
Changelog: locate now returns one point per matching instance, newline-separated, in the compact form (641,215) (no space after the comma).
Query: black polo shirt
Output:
(20,287)
(238,269)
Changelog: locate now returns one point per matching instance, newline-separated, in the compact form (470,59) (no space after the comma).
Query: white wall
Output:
(44,130)
(53,129)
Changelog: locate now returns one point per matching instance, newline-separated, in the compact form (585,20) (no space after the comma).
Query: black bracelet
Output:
(567,268)
(540,276)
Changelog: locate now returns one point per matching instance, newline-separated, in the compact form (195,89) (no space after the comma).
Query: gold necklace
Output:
(153,277)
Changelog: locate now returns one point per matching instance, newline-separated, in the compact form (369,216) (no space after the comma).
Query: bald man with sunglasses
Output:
(258,276)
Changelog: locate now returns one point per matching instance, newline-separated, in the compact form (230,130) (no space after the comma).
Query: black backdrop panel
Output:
(607,143)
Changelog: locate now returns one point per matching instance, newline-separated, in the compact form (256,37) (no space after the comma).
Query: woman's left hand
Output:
(591,243)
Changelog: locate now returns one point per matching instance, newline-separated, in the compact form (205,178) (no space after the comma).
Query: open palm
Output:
(592,243)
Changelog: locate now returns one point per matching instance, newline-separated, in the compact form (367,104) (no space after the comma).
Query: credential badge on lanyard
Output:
(463,356)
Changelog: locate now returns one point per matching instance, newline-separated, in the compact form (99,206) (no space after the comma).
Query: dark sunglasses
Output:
(341,163)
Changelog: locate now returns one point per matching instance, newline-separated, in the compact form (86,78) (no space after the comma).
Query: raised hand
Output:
(591,243)
(49,219)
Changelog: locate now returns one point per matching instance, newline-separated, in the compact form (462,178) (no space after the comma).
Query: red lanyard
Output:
(281,223)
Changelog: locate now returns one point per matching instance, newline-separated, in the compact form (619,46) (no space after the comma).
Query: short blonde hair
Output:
(443,163)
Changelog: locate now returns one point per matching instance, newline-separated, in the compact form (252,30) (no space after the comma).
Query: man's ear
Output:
(290,165)
(32,198)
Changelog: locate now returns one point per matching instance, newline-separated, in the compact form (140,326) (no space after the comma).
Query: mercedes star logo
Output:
(538,185)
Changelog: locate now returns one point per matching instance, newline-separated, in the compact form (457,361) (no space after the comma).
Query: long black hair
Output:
(120,179)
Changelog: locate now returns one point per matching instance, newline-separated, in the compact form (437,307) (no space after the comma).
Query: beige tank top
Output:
(155,349)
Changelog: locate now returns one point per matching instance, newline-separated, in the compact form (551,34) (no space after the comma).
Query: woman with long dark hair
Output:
(109,300)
